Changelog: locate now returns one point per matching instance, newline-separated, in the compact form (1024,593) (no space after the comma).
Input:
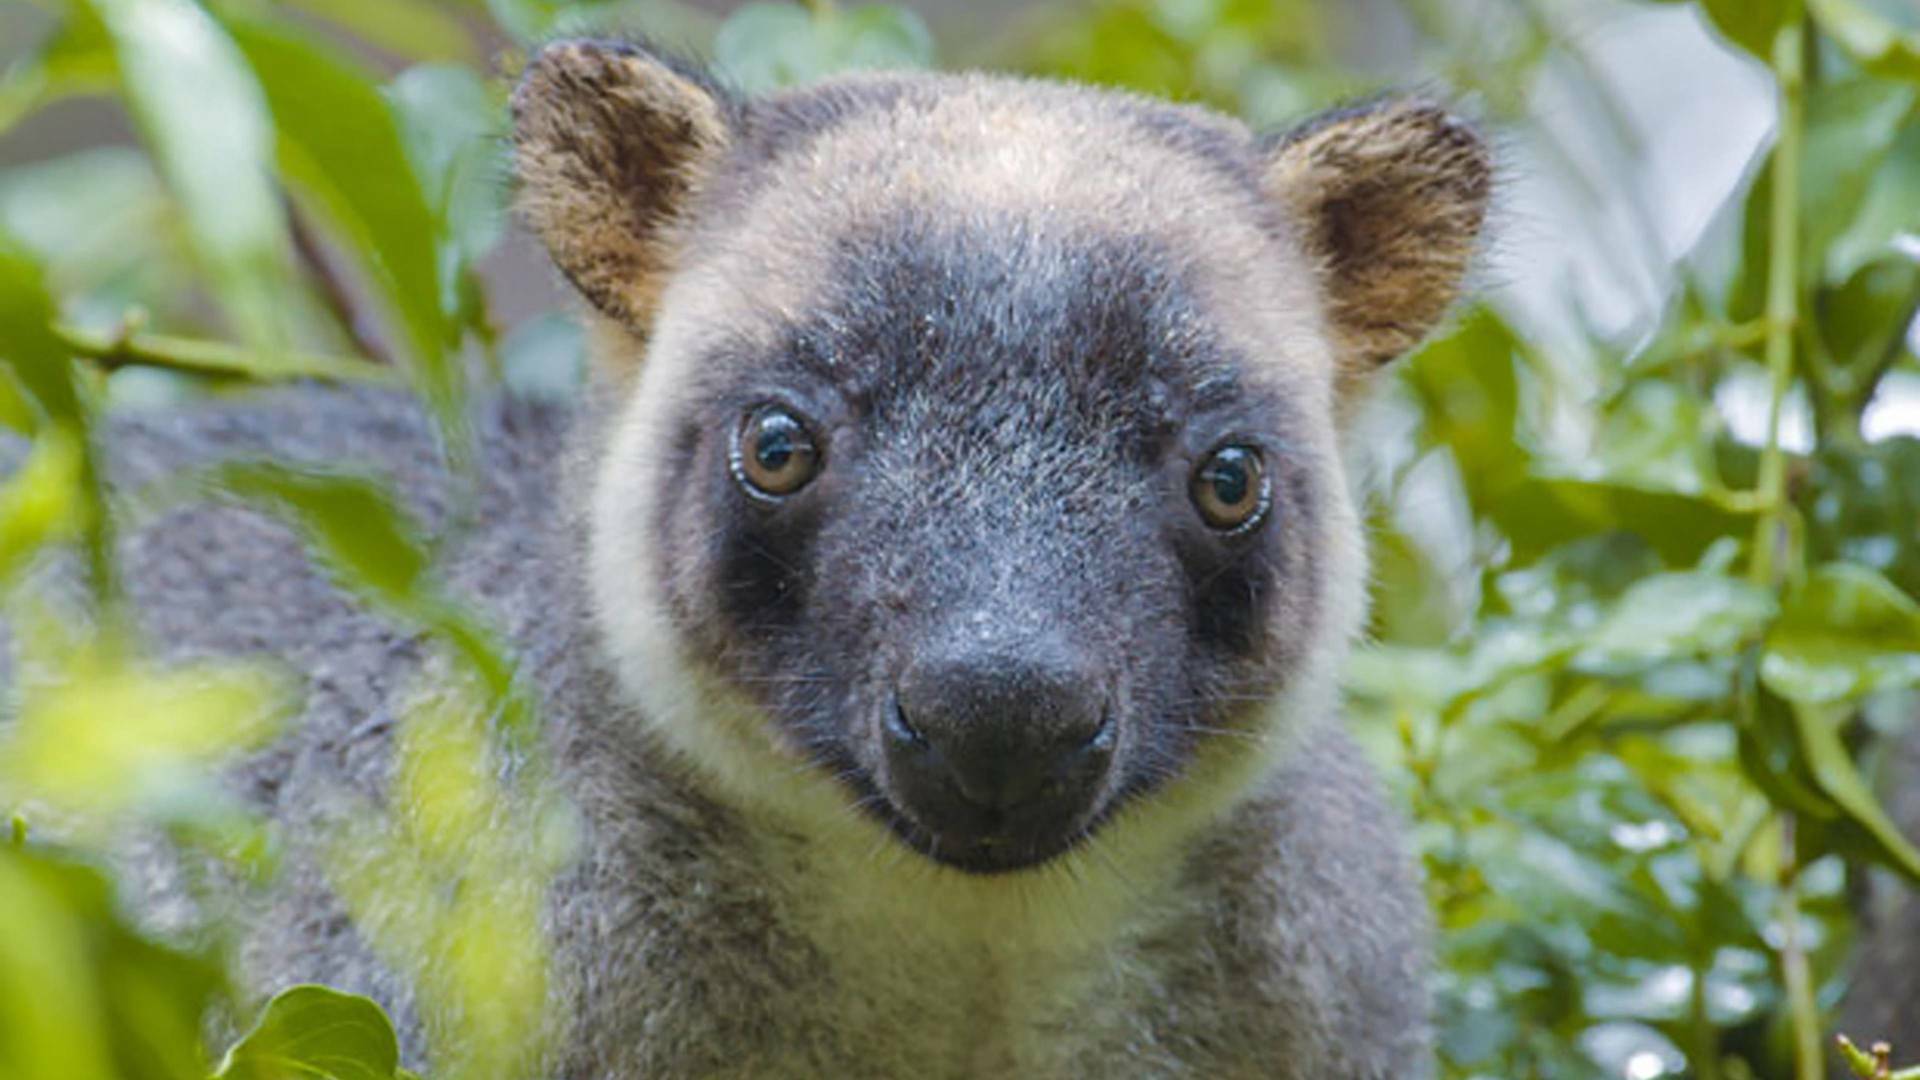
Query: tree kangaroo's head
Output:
(975,459)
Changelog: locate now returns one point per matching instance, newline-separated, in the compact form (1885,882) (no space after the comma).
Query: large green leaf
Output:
(208,124)
(341,147)
(314,1033)
(1845,633)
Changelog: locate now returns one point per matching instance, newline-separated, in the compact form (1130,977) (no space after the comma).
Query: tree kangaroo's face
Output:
(976,454)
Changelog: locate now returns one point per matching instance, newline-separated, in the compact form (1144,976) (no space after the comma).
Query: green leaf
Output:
(207,123)
(1878,46)
(43,500)
(1752,24)
(314,1033)
(1547,511)
(28,345)
(1845,633)
(409,28)
(765,46)
(1864,322)
(83,997)
(1832,768)
(1850,127)
(1668,616)
(341,147)
(354,525)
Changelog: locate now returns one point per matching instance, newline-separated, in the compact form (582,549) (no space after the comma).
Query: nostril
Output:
(1105,735)
(899,727)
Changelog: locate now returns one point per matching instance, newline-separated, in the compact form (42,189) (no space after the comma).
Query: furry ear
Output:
(1390,198)
(611,143)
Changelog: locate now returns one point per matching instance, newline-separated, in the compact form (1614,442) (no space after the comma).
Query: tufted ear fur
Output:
(1390,197)
(611,143)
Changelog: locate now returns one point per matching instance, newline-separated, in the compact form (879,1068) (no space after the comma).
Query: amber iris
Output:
(774,453)
(1230,488)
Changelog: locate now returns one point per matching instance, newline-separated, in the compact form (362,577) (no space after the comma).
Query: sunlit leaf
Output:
(44,500)
(209,128)
(314,1033)
(104,734)
(1845,633)
(82,997)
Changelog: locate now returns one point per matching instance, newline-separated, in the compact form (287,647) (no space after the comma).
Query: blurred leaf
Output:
(1682,614)
(409,28)
(207,123)
(340,145)
(1878,46)
(1544,512)
(42,501)
(82,997)
(545,358)
(1469,395)
(27,342)
(1889,209)
(765,46)
(76,59)
(1845,633)
(1752,24)
(314,1033)
(1832,768)
(356,526)
(1864,322)
(1850,126)
(102,735)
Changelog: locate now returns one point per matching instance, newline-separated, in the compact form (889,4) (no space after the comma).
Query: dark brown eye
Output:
(1230,488)
(774,454)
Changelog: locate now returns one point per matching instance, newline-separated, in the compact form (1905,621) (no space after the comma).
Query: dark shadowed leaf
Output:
(1752,24)
(313,1033)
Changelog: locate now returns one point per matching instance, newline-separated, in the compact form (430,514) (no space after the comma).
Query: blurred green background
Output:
(1646,562)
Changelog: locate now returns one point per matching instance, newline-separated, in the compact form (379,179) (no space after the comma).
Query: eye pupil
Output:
(774,449)
(1229,481)
(1230,488)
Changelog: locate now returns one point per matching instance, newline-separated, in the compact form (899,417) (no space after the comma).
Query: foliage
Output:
(1631,670)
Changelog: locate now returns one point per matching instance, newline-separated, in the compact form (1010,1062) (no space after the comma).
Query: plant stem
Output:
(1809,1055)
(117,350)
(1783,292)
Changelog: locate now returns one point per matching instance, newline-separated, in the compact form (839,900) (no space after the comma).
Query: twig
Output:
(130,347)
(361,327)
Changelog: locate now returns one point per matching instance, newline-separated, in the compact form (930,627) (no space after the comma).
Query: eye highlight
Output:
(773,453)
(1230,489)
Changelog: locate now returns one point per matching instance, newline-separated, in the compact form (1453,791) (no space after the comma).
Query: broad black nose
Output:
(977,739)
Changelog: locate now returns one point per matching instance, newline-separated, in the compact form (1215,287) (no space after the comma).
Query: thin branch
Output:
(361,327)
(1783,293)
(117,350)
